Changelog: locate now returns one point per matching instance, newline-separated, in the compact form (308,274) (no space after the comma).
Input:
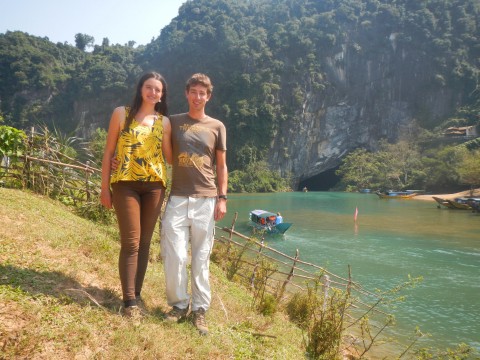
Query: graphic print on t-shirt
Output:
(184,160)
(191,160)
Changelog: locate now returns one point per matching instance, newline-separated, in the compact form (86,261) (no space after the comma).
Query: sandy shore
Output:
(476,193)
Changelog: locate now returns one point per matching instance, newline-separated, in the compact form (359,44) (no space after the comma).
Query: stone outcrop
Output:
(369,98)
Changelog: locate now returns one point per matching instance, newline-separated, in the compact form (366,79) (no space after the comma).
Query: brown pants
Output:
(137,205)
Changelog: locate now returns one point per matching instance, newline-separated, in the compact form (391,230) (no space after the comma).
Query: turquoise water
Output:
(391,239)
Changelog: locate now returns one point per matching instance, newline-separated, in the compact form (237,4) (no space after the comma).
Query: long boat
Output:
(460,203)
(267,221)
(474,203)
(443,202)
(396,194)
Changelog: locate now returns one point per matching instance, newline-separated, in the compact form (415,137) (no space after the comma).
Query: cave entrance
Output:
(321,182)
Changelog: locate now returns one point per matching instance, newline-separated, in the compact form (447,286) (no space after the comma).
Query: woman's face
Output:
(152,90)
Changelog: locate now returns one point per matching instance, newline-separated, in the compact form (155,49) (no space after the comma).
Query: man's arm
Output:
(167,140)
(222,183)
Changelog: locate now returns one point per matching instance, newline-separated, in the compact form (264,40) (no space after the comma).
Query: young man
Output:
(196,202)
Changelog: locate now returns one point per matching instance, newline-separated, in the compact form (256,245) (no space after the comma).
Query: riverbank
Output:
(476,193)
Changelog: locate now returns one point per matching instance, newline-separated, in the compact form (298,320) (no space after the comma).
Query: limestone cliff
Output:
(370,98)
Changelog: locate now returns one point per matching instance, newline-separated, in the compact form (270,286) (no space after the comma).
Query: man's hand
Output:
(114,164)
(220,209)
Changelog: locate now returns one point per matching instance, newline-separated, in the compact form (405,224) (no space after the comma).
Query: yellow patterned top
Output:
(139,152)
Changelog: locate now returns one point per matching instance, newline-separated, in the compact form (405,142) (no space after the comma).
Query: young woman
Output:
(136,188)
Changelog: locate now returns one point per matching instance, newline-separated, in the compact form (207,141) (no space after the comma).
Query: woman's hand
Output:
(106,198)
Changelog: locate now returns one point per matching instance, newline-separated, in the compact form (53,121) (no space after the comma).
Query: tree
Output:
(440,166)
(359,169)
(401,165)
(257,177)
(469,168)
(394,166)
(82,41)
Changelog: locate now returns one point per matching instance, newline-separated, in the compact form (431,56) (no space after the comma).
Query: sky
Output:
(118,20)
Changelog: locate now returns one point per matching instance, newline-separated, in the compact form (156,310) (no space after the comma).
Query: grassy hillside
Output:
(60,297)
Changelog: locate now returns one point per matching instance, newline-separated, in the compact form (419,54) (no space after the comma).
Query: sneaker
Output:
(176,314)
(132,312)
(200,322)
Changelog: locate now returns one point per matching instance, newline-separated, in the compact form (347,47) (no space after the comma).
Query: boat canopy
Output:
(262,213)
(263,217)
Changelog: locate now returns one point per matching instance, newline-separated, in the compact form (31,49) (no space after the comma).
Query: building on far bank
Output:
(461,131)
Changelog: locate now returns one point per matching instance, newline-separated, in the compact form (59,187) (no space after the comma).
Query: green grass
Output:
(60,297)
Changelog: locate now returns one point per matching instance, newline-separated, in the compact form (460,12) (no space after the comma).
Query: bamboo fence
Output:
(289,274)
(45,169)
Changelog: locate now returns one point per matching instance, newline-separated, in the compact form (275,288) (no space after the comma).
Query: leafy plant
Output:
(321,316)
(11,141)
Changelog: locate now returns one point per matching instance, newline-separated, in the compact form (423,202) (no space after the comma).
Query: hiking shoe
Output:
(200,322)
(176,314)
(133,312)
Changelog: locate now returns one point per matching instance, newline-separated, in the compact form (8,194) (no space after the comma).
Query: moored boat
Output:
(443,202)
(474,203)
(460,203)
(268,222)
(396,194)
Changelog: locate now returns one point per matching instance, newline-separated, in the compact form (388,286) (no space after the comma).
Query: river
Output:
(390,240)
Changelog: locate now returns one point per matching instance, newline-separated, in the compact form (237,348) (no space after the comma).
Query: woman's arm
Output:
(116,121)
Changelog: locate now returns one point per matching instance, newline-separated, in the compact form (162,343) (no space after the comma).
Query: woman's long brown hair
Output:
(160,107)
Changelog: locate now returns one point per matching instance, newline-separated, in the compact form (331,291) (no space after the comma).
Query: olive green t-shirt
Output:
(195,143)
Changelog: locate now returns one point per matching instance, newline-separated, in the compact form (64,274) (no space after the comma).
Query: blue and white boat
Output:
(268,222)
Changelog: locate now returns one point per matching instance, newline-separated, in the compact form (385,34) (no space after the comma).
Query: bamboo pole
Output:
(255,267)
(85,167)
(87,174)
(289,277)
(230,239)
(286,256)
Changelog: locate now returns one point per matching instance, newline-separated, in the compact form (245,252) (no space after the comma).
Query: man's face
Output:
(197,97)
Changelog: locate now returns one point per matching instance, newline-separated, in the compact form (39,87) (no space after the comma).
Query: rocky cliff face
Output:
(370,98)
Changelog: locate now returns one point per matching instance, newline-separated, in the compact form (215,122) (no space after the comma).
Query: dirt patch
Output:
(12,322)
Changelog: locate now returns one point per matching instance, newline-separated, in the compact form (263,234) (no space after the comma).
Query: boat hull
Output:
(443,202)
(396,196)
(459,205)
(272,229)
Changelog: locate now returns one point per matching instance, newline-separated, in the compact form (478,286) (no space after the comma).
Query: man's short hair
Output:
(199,79)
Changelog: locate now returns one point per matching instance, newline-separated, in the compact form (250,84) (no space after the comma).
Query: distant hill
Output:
(298,83)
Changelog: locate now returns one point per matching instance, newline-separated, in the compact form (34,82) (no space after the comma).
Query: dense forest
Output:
(274,64)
